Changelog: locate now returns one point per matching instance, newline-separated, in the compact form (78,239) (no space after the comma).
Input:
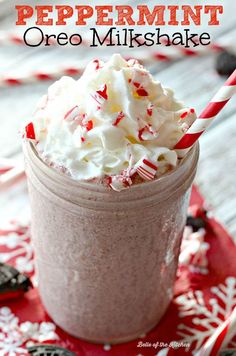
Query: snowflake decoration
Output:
(205,317)
(193,251)
(14,336)
(163,352)
(17,247)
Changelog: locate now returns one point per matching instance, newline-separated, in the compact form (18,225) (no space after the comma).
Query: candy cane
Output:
(214,107)
(221,337)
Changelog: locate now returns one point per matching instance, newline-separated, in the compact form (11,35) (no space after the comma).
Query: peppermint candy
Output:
(88,125)
(97,64)
(100,95)
(146,169)
(29,131)
(120,182)
(119,117)
(72,114)
(147,133)
(149,110)
(140,92)
(186,113)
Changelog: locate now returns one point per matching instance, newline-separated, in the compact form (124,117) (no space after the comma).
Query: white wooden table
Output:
(194,80)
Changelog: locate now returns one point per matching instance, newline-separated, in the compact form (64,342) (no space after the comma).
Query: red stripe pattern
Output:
(146,169)
(72,113)
(219,340)
(39,76)
(29,131)
(188,140)
(212,109)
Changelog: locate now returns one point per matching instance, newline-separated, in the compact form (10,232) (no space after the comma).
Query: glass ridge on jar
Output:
(107,260)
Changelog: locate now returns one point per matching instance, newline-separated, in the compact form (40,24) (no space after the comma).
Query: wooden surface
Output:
(193,79)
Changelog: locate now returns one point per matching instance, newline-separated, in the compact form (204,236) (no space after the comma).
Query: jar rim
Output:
(31,150)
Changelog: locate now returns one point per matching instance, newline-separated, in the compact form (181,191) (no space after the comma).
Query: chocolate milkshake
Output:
(109,198)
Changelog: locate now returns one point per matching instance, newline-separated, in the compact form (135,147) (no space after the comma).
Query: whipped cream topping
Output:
(114,124)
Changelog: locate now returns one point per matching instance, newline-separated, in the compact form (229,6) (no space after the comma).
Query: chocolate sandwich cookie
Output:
(228,352)
(49,350)
(196,223)
(12,283)
(226,63)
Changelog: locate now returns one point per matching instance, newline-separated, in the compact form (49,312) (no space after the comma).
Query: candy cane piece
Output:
(146,169)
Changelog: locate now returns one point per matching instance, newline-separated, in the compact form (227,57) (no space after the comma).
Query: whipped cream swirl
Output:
(113,124)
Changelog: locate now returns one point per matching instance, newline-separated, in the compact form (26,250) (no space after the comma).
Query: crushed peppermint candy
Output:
(119,117)
(146,169)
(119,182)
(147,133)
(182,116)
(72,114)
(142,92)
(140,89)
(29,131)
(119,110)
(100,95)
(97,63)
(89,125)
(149,110)
(186,113)
(103,92)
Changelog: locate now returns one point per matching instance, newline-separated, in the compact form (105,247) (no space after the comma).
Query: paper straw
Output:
(11,176)
(221,337)
(6,164)
(41,76)
(214,107)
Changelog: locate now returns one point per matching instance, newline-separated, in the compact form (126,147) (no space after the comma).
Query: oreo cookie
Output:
(13,284)
(228,352)
(49,350)
(226,63)
(196,223)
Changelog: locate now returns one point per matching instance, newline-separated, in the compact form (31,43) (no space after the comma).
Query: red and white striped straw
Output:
(10,172)
(221,337)
(40,76)
(214,107)
(6,164)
